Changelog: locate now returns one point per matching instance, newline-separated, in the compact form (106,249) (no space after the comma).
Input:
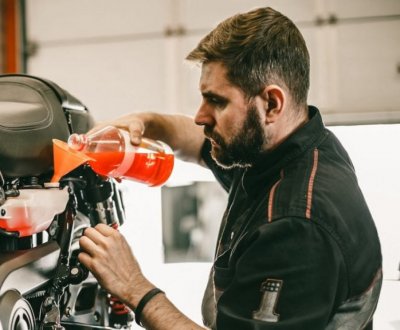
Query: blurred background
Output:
(125,56)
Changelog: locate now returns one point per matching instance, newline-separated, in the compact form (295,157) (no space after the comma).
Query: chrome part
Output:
(15,312)
(36,264)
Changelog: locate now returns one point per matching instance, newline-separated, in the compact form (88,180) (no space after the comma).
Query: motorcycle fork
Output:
(50,308)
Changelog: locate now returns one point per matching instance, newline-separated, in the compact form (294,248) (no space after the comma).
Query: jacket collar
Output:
(271,163)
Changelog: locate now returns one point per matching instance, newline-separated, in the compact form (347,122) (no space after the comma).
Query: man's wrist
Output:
(135,292)
(143,302)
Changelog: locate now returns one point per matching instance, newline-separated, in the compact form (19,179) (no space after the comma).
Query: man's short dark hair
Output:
(258,48)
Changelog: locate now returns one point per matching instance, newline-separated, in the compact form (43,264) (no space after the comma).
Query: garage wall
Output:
(130,56)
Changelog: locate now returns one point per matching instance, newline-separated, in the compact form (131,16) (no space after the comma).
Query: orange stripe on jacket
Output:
(311,184)
(271,197)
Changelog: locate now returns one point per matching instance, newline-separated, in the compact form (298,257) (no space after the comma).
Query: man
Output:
(298,248)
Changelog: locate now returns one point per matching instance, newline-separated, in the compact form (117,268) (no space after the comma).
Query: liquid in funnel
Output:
(66,159)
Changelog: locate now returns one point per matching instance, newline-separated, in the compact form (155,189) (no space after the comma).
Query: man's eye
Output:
(216,101)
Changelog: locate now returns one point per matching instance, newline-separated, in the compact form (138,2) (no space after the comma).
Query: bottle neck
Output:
(77,141)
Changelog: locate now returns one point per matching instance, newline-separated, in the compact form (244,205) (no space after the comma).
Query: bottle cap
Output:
(77,141)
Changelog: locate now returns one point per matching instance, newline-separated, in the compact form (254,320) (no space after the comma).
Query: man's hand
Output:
(133,123)
(109,257)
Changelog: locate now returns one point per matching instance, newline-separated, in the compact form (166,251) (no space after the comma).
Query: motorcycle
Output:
(42,283)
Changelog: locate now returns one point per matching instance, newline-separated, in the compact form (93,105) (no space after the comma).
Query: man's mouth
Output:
(213,143)
(212,137)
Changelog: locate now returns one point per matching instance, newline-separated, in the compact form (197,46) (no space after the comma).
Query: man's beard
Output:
(245,148)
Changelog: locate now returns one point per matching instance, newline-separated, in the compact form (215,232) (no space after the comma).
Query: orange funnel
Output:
(66,159)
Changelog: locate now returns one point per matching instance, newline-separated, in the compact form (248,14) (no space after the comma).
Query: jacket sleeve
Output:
(289,274)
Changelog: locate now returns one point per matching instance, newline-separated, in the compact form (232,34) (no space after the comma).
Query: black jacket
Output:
(298,248)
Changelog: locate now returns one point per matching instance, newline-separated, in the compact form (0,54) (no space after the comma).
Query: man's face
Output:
(231,122)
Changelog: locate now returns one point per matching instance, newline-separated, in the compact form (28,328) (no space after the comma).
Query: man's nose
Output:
(204,115)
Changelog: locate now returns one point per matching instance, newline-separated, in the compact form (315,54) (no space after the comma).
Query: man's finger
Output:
(88,245)
(94,235)
(85,259)
(136,130)
(104,230)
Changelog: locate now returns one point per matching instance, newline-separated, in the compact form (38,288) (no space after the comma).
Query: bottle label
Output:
(127,161)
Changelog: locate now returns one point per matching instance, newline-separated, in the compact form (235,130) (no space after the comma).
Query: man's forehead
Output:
(213,77)
(209,69)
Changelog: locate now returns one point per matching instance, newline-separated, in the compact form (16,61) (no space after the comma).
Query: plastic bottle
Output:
(151,162)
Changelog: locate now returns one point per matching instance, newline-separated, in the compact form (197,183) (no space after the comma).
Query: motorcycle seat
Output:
(34,111)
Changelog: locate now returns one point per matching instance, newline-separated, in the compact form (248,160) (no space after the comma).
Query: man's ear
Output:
(274,100)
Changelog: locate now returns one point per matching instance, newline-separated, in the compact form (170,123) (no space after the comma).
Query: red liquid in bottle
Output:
(105,162)
(150,168)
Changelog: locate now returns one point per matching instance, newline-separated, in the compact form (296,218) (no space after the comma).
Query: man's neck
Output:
(286,127)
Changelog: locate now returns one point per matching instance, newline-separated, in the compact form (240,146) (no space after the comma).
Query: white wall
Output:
(117,57)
